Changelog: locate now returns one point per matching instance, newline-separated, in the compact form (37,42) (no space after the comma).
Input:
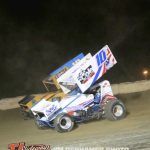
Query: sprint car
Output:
(53,90)
(84,99)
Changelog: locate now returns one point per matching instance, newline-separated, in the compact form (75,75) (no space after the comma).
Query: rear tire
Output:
(63,123)
(114,110)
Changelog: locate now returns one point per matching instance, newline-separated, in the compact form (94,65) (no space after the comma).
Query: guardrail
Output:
(122,88)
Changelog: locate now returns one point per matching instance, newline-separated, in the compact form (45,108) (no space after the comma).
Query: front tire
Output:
(39,124)
(114,110)
(26,114)
(63,123)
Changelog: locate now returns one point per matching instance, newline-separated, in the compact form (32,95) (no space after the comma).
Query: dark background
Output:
(38,36)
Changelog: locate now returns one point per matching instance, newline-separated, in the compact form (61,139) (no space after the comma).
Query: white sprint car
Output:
(84,99)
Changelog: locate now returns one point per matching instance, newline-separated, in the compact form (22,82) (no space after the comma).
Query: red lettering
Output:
(21,146)
(16,146)
(13,146)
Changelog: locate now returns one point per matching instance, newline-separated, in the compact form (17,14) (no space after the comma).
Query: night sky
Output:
(38,36)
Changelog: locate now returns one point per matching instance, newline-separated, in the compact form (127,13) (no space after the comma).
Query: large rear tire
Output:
(114,110)
(63,123)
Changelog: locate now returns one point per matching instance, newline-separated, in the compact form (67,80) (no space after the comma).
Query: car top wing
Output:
(85,73)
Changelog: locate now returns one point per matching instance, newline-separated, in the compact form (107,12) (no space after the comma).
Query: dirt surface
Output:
(132,132)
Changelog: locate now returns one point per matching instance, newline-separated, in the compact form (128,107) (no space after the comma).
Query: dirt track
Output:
(132,132)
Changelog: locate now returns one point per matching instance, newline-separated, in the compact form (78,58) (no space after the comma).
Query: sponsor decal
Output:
(85,75)
(61,72)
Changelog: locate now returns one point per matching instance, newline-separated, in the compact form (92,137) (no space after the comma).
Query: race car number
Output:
(101,57)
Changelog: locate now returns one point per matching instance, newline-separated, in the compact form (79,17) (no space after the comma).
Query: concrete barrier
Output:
(122,88)
(131,87)
(9,103)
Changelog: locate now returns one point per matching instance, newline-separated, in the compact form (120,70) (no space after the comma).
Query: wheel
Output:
(23,113)
(63,123)
(39,124)
(26,114)
(114,110)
